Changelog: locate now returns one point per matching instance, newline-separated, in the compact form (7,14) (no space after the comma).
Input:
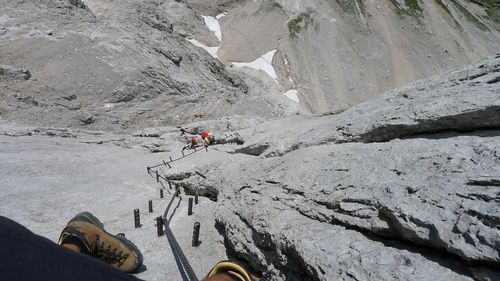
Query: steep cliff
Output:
(130,64)
(116,65)
(340,53)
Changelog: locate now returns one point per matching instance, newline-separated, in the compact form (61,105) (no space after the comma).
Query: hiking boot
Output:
(114,250)
(236,271)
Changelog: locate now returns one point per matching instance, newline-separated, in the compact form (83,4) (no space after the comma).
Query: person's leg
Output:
(27,256)
(73,247)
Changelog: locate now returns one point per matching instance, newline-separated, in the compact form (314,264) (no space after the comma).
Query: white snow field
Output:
(293,95)
(263,63)
(211,50)
(213,24)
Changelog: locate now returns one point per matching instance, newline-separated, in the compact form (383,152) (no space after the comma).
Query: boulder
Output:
(9,72)
(85,118)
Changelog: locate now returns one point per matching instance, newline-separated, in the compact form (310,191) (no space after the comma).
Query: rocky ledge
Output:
(403,187)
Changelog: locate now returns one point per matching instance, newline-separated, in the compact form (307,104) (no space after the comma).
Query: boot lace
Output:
(109,254)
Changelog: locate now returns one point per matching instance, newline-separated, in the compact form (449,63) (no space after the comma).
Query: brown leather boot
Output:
(115,250)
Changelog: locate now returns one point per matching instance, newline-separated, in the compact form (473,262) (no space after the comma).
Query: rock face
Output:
(130,64)
(403,187)
(463,100)
(438,193)
(343,52)
(127,63)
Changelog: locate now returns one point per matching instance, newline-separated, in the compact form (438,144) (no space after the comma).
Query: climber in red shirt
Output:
(208,138)
(191,144)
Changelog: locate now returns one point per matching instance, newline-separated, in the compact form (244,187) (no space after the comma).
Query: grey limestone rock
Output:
(78,4)
(86,118)
(437,198)
(463,100)
(123,53)
(403,187)
(10,72)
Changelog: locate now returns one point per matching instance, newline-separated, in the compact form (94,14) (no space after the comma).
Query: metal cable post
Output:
(137,218)
(190,206)
(159,226)
(196,235)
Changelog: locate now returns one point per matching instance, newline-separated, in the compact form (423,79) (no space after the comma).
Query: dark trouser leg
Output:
(27,256)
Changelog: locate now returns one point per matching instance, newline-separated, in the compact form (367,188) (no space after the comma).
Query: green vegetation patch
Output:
(361,6)
(494,14)
(275,5)
(414,8)
(296,25)
(443,5)
(411,8)
(469,16)
(492,9)
(347,5)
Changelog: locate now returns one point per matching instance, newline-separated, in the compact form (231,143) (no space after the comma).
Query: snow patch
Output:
(211,50)
(213,24)
(221,15)
(293,95)
(263,63)
(109,105)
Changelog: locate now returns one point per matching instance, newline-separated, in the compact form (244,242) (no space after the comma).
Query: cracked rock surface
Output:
(463,100)
(438,194)
(402,187)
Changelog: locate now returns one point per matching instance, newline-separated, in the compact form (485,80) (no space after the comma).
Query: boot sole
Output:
(89,218)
